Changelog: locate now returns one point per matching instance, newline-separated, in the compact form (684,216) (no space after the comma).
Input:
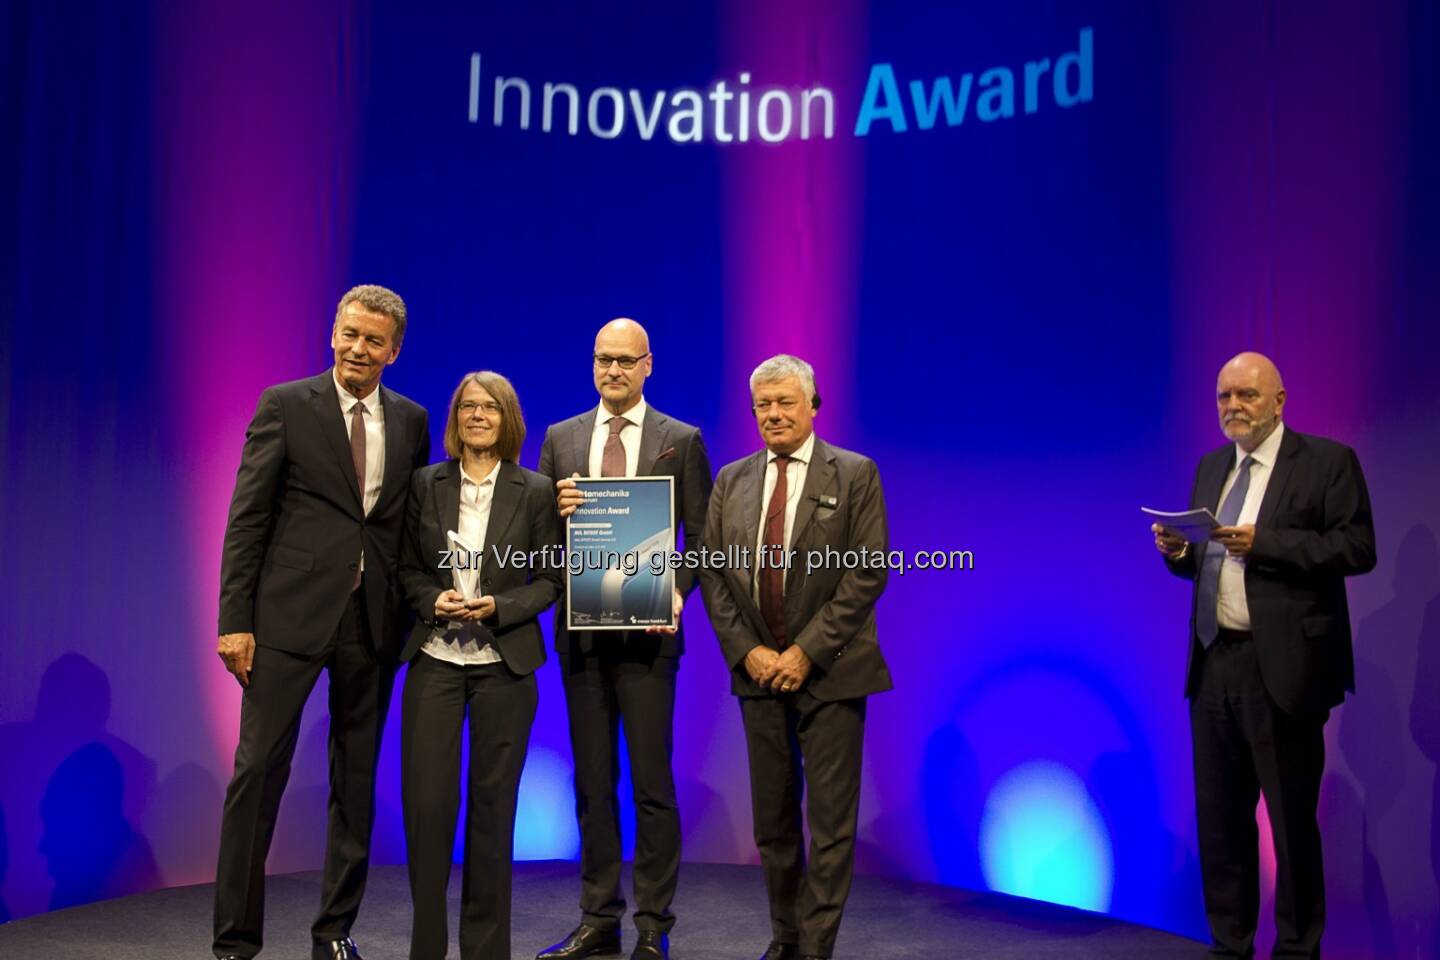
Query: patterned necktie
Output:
(772,574)
(612,462)
(1207,625)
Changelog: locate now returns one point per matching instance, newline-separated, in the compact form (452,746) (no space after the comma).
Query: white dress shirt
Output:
(794,483)
(1233,612)
(629,438)
(456,642)
(374,437)
(374,442)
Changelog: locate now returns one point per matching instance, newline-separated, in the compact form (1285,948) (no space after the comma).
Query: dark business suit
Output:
(1258,704)
(293,545)
(501,699)
(628,677)
(812,739)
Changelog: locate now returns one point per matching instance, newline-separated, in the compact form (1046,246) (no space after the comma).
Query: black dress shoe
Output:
(651,946)
(780,951)
(342,949)
(583,941)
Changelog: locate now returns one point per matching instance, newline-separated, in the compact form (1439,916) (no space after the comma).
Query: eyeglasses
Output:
(467,408)
(603,361)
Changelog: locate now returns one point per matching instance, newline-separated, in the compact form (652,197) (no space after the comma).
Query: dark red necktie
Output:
(772,574)
(357,455)
(612,461)
(357,447)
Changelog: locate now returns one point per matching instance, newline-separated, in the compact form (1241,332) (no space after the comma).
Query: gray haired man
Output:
(800,641)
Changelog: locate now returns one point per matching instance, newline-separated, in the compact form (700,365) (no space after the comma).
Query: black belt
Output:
(1233,636)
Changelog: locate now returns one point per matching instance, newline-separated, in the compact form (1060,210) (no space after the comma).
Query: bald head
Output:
(619,343)
(1254,366)
(623,331)
(1250,398)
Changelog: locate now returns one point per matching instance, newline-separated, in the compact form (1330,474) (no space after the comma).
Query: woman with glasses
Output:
(472,568)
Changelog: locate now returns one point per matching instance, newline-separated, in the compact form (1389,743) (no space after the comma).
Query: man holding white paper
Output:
(1269,651)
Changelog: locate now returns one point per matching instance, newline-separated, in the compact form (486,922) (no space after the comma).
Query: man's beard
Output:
(1257,430)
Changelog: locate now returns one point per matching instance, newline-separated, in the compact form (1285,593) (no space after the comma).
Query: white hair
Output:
(782,366)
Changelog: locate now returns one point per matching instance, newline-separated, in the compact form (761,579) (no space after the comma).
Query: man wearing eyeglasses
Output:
(625,677)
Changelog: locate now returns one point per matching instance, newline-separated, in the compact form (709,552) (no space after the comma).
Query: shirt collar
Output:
(348,401)
(802,455)
(489,478)
(1268,451)
(635,414)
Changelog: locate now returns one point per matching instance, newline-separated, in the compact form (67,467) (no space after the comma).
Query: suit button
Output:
(355,565)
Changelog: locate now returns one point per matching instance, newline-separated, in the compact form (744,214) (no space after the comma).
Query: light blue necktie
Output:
(1206,624)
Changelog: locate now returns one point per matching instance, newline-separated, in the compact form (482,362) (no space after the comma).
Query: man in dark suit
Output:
(625,677)
(1269,651)
(307,583)
(798,631)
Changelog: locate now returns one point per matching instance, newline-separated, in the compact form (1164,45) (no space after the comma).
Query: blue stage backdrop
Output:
(1017,240)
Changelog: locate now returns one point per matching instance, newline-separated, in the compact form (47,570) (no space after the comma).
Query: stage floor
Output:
(721,911)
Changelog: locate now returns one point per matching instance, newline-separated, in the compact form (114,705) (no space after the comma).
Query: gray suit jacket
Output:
(829,612)
(667,447)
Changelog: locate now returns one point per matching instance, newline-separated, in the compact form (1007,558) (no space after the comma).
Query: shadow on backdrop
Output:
(183,824)
(90,849)
(1152,877)
(64,763)
(1371,821)
(1425,720)
(1154,868)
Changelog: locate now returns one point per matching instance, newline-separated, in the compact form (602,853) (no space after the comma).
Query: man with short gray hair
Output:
(800,639)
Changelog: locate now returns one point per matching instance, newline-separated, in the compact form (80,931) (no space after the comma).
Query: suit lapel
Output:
(652,441)
(750,488)
(818,477)
(503,505)
(580,434)
(325,402)
(1279,476)
(397,463)
(1219,469)
(447,498)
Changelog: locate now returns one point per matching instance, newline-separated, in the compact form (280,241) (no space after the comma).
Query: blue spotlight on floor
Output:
(1041,836)
(545,821)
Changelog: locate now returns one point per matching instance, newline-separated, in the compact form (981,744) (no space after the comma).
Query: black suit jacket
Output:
(297,526)
(523,519)
(667,447)
(830,613)
(1314,529)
